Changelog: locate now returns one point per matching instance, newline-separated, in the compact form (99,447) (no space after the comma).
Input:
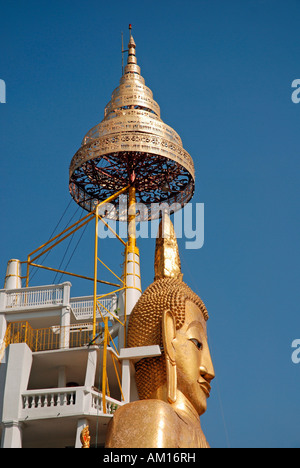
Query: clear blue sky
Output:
(221,72)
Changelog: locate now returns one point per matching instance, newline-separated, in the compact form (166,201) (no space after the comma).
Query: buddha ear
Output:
(169,334)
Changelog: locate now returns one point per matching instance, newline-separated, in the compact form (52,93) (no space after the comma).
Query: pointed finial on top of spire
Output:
(167,261)
(132,66)
(131,49)
(131,40)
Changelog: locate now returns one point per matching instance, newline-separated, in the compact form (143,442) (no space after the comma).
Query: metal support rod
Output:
(95,272)
(104,375)
(131,219)
(65,237)
(60,234)
(73,274)
(111,230)
(99,260)
(96,212)
(69,231)
(27,273)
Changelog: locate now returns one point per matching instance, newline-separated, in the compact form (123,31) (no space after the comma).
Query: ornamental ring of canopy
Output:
(160,170)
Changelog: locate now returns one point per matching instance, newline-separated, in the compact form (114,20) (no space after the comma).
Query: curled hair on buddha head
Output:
(145,327)
(167,292)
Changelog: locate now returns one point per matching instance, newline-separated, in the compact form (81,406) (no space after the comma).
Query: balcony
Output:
(34,297)
(68,401)
(82,307)
(51,338)
(54,296)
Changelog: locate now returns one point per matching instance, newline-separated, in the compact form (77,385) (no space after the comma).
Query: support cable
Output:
(51,235)
(67,248)
(72,254)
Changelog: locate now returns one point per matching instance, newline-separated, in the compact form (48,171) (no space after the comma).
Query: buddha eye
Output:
(196,343)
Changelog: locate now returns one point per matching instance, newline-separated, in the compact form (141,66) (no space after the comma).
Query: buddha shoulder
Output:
(144,424)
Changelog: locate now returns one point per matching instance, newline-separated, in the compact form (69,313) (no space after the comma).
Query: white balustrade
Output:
(53,295)
(111,404)
(82,307)
(35,399)
(34,297)
(65,401)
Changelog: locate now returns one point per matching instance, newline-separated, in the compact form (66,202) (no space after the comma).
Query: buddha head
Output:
(171,315)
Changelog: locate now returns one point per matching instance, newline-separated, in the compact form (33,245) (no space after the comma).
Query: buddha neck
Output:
(192,434)
(182,406)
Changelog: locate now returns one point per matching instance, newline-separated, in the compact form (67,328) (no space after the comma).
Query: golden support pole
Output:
(104,375)
(131,220)
(27,273)
(95,272)
(112,197)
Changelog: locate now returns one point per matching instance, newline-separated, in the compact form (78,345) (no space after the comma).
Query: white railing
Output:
(34,297)
(97,403)
(48,398)
(65,401)
(82,307)
(56,295)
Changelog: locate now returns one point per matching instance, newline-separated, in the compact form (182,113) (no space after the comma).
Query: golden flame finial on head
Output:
(167,261)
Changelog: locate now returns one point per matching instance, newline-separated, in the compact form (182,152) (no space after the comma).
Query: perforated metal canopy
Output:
(132,145)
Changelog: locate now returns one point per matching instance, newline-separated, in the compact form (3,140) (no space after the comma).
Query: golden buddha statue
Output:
(173,388)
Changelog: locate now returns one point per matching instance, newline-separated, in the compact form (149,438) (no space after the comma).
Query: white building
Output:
(52,377)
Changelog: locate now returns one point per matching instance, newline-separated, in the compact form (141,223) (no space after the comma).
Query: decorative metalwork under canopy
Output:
(132,145)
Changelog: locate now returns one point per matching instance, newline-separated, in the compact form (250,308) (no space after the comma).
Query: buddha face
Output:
(193,361)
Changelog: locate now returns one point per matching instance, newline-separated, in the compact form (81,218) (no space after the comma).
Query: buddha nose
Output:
(206,374)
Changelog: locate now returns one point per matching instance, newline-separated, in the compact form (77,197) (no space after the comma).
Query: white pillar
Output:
(129,298)
(62,380)
(65,320)
(18,369)
(13,275)
(3,301)
(91,368)
(133,279)
(129,389)
(12,435)
(126,380)
(66,293)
